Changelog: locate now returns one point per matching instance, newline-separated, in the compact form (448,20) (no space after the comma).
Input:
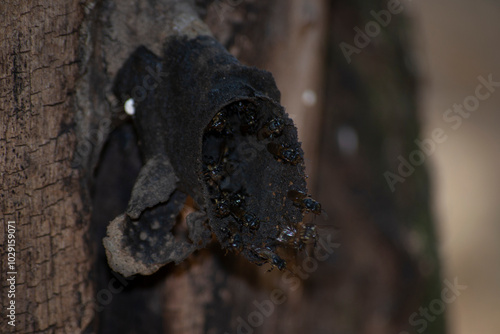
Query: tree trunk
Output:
(40,192)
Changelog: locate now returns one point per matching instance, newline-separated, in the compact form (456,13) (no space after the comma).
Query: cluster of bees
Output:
(221,159)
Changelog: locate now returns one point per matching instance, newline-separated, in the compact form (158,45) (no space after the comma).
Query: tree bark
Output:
(40,191)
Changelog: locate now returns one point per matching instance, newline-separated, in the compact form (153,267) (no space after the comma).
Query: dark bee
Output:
(234,239)
(287,235)
(266,255)
(214,168)
(297,237)
(214,174)
(236,243)
(307,234)
(272,129)
(303,201)
(248,219)
(218,124)
(288,154)
(237,199)
(222,206)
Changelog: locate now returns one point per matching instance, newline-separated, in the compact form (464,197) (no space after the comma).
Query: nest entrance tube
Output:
(226,140)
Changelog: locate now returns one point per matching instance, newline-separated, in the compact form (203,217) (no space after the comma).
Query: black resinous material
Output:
(214,120)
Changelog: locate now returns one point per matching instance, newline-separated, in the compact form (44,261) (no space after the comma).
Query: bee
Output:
(222,206)
(237,199)
(235,241)
(304,201)
(297,237)
(215,170)
(248,219)
(266,255)
(287,154)
(272,129)
(307,234)
(214,173)
(287,235)
(218,124)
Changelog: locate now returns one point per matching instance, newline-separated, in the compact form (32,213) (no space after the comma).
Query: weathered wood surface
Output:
(39,57)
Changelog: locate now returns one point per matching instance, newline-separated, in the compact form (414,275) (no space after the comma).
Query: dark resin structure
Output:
(213,129)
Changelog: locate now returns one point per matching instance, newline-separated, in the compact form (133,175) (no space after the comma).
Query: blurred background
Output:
(455,42)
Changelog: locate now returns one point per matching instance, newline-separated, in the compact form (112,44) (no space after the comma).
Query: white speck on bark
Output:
(129,107)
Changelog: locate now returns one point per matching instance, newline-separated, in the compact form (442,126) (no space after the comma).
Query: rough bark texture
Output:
(39,190)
